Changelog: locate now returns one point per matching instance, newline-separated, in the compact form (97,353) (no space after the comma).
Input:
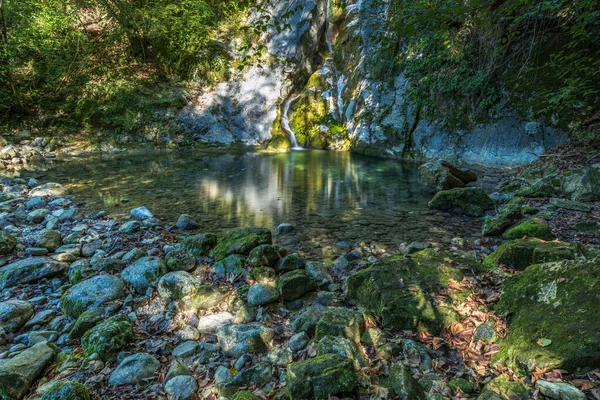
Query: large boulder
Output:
(144,273)
(582,185)
(91,293)
(14,314)
(413,292)
(17,374)
(241,241)
(321,377)
(237,340)
(30,270)
(553,317)
(108,337)
(439,175)
(470,201)
(519,254)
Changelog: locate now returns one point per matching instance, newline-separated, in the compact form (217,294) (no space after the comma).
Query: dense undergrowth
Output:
(467,60)
(118,65)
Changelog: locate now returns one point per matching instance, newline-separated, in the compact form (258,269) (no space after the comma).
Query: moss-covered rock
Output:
(108,337)
(519,254)
(404,291)
(67,391)
(257,375)
(230,268)
(265,255)
(341,322)
(294,284)
(179,260)
(92,292)
(539,189)
(582,185)
(14,314)
(501,387)
(532,228)
(241,241)
(239,339)
(553,317)
(30,270)
(7,242)
(49,239)
(404,385)
(199,245)
(144,273)
(501,222)
(291,262)
(321,377)
(343,347)
(244,395)
(469,201)
(86,321)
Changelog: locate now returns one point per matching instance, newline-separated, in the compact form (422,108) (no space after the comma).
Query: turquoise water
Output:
(328,196)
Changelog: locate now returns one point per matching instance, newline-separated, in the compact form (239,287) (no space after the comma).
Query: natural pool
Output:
(327,196)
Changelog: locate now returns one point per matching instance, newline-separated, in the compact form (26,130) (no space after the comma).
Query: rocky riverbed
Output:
(101,308)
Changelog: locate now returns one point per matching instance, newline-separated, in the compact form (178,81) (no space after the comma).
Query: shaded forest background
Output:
(71,66)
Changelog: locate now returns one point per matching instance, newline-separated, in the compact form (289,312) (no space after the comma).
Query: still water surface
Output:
(328,196)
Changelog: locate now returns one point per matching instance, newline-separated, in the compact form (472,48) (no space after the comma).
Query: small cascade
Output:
(329,66)
(285,122)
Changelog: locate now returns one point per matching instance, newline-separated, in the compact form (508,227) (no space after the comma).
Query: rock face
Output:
(244,109)
(92,292)
(321,377)
(18,373)
(439,175)
(30,270)
(554,301)
(402,290)
(470,201)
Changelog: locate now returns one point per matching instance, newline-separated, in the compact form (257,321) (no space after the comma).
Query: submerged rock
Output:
(92,292)
(470,201)
(17,374)
(241,241)
(30,270)
(553,318)
(141,213)
(321,377)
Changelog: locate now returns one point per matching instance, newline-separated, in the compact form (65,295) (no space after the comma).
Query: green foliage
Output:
(466,59)
(110,63)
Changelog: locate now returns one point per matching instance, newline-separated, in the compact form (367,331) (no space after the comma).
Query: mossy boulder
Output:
(199,245)
(519,254)
(343,347)
(321,377)
(14,314)
(553,317)
(18,373)
(92,292)
(404,385)
(266,255)
(179,260)
(30,270)
(438,175)
(582,185)
(340,322)
(501,387)
(241,241)
(413,292)
(230,269)
(49,239)
(538,189)
(87,321)
(108,337)
(7,243)
(470,201)
(294,284)
(501,222)
(532,228)
(67,391)
(291,262)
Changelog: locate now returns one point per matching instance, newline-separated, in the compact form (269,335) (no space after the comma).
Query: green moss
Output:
(244,395)
(108,337)
(501,222)
(519,254)
(320,377)
(532,228)
(199,245)
(341,322)
(404,291)
(538,190)
(470,201)
(67,391)
(241,241)
(554,301)
(501,387)
(462,384)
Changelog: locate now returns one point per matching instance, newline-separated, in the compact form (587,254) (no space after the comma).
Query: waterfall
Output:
(328,30)
(285,122)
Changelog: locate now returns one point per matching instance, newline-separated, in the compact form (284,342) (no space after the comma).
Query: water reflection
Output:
(327,195)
